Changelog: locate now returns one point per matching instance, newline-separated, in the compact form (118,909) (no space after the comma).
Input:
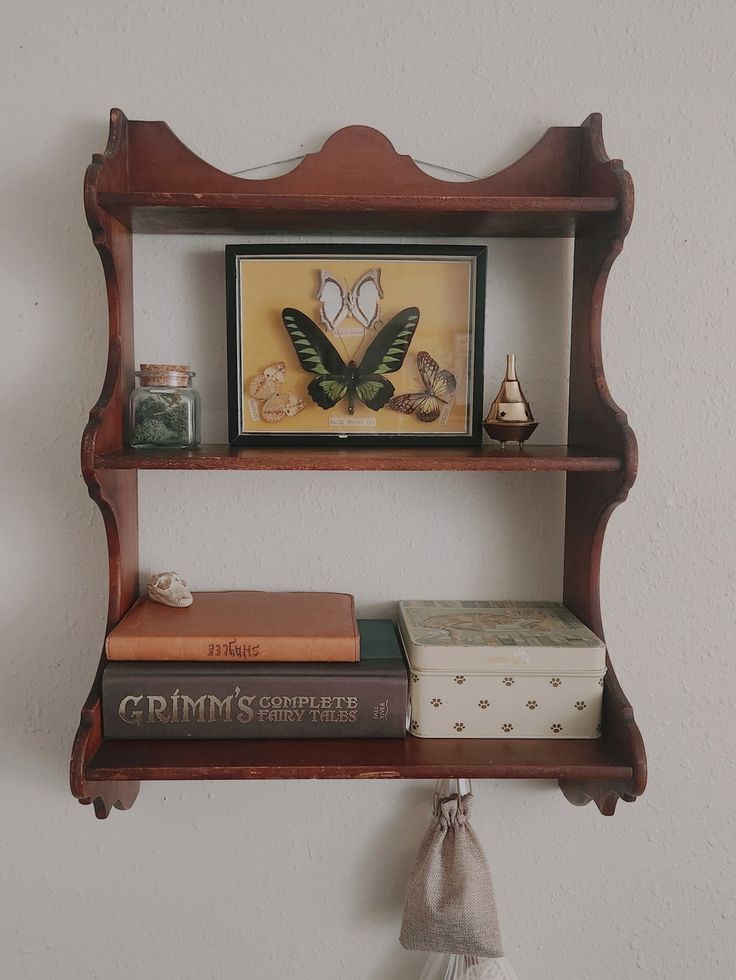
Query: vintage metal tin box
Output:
(501,670)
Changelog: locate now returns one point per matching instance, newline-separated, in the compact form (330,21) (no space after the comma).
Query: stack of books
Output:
(253,665)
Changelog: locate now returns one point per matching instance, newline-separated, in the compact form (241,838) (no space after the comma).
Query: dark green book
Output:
(177,699)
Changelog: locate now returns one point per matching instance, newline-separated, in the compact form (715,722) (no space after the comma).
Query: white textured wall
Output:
(304,880)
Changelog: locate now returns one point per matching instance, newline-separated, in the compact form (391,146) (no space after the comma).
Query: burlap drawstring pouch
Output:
(450,906)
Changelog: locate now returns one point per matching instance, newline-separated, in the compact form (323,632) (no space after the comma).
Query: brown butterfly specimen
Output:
(439,387)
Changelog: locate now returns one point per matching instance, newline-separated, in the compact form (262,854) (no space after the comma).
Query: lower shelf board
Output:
(410,758)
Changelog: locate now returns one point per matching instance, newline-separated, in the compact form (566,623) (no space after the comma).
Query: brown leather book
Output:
(227,627)
(367,699)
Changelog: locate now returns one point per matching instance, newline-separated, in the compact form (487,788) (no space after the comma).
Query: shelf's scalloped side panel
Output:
(104,795)
(115,493)
(597,245)
(592,410)
(355,161)
(602,176)
(620,727)
(605,794)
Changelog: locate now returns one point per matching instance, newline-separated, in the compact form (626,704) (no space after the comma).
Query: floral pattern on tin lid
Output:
(504,623)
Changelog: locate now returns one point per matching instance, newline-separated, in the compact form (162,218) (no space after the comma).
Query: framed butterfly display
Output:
(355,344)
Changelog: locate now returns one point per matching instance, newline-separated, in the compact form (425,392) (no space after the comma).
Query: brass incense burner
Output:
(510,417)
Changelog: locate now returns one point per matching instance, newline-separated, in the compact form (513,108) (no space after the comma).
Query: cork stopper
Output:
(165,375)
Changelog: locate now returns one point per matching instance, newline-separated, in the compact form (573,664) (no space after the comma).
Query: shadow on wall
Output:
(55,617)
(383,872)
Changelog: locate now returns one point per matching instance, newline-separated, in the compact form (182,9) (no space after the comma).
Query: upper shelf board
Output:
(356,184)
(224,214)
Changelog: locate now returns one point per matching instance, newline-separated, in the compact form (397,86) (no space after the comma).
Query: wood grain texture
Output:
(356,181)
(355,163)
(114,492)
(486,458)
(103,794)
(408,758)
(594,414)
(147,180)
(498,217)
(265,203)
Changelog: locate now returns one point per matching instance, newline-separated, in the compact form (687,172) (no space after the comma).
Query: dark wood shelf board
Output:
(369,202)
(177,213)
(233,214)
(410,758)
(488,458)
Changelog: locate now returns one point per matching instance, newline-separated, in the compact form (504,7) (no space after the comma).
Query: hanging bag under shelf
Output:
(450,905)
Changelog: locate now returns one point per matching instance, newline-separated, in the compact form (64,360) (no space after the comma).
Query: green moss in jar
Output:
(164,410)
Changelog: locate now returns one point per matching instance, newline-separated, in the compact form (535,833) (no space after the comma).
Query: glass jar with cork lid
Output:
(164,410)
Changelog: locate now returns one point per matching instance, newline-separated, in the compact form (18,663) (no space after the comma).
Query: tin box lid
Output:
(483,636)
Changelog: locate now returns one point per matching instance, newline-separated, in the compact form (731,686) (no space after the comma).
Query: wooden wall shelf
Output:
(147,181)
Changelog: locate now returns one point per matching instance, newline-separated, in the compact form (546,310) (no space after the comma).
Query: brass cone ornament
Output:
(510,417)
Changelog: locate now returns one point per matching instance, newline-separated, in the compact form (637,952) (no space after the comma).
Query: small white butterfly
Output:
(361,302)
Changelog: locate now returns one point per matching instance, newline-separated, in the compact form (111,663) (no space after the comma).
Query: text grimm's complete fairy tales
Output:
(238,708)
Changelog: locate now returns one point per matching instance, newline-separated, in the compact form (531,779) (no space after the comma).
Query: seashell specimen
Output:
(277,407)
(294,404)
(269,382)
(266,388)
(169,589)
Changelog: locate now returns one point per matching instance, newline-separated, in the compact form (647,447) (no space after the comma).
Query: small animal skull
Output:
(169,589)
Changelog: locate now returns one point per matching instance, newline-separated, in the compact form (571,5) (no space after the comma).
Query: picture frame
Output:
(355,345)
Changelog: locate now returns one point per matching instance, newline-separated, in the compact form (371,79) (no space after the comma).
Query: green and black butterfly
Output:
(336,379)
